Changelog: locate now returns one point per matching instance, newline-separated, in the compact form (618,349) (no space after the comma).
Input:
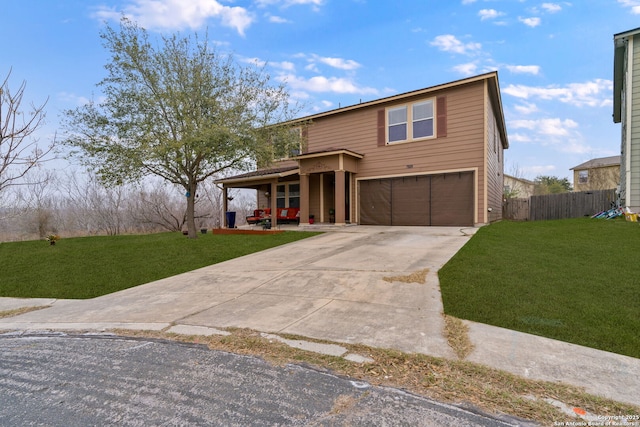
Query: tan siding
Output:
(495,167)
(357,131)
(461,149)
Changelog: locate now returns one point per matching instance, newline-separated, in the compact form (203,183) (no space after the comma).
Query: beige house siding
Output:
(461,150)
(519,187)
(495,168)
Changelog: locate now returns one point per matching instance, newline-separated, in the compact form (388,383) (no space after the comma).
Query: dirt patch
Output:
(415,277)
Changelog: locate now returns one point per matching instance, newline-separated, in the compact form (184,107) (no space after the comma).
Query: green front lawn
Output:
(88,267)
(573,280)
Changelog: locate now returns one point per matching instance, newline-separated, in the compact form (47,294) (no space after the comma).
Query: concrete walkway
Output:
(337,286)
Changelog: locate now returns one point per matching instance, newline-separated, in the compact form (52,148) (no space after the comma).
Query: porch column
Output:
(225,193)
(274,204)
(304,199)
(339,198)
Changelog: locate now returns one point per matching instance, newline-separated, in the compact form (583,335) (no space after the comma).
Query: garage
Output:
(422,200)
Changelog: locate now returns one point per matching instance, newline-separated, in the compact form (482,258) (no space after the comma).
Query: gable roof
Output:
(600,162)
(494,94)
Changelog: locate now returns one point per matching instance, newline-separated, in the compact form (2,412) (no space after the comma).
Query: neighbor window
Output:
(583,177)
(421,117)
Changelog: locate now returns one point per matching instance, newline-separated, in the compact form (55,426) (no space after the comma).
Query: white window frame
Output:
(410,121)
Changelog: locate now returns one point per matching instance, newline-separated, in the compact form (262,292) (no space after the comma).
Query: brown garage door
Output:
(439,200)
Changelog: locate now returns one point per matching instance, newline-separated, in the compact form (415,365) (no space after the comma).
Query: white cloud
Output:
(74,99)
(526,108)
(551,7)
(338,63)
(312,67)
(253,61)
(518,137)
(286,3)
(467,69)
(449,43)
(284,65)
(342,64)
(596,93)
(634,5)
(468,1)
(530,22)
(489,14)
(546,127)
(178,14)
(326,84)
(524,69)
(278,20)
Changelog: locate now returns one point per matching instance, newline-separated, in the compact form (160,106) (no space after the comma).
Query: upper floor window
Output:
(583,177)
(413,121)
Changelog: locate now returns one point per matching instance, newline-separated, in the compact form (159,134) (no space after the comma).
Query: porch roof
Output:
(260,174)
(329,152)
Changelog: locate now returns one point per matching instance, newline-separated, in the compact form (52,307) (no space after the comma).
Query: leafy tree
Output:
(551,185)
(178,110)
(19,149)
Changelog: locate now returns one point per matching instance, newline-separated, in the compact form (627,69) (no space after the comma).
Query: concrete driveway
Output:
(331,286)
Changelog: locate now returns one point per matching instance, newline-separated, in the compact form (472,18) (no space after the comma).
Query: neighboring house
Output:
(518,187)
(433,156)
(597,174)
(626,110)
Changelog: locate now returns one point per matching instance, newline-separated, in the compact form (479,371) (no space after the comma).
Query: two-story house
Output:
(431,157)
(626,110)
(602,173)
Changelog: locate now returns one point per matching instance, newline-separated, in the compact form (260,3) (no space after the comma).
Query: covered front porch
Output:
(319,187)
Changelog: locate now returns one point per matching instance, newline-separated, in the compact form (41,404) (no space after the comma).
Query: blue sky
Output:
(554,58)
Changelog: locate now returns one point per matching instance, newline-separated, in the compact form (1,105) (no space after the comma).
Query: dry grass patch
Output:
(458,382)
(415,277)
(457,334)
(21,310)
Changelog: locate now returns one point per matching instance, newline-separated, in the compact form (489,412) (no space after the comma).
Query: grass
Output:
(575,280)
(87,267)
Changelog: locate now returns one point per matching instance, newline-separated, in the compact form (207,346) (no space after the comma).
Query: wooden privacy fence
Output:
(558,206)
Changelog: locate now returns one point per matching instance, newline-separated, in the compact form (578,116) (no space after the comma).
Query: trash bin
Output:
(231,219)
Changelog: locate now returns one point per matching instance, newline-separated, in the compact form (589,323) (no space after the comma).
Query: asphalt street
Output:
(55,379)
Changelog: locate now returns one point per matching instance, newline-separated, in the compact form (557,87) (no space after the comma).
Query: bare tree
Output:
(95,209)
(157,208)
(37,202)
(19,149)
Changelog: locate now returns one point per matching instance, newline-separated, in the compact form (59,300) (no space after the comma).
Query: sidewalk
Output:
(334,289)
